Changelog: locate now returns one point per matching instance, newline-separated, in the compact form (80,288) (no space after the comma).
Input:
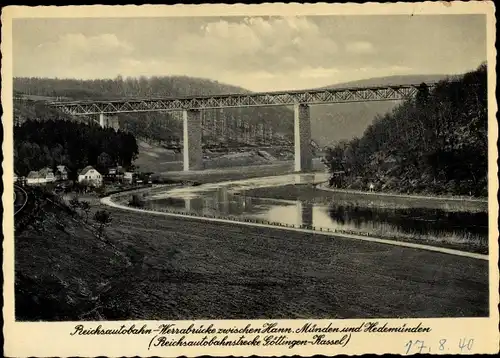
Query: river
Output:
(439,224)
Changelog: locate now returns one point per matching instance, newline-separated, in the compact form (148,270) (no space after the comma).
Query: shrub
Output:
(136,201)
(85,206)
(103,218)
(74,203)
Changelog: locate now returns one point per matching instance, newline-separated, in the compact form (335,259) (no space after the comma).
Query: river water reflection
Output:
(228,199)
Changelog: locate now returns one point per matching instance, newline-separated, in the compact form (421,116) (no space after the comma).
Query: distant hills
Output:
(391,80)
(119,87)
(334,122)
(330,123)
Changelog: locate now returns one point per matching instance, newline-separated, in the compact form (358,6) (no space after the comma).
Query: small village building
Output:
(116,171)
(128,177)
(41,177)
(90,176)
(62,172)
(115,174)
(33,178)
(19,179)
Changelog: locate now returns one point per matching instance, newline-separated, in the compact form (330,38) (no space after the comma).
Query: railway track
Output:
(20,199)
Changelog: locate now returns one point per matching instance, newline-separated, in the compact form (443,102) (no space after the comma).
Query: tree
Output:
(104,161)
(136,201)
(74,203)
(54,141)
(57,153)
(422,95)
(335,157)
(85,206)
(103,219)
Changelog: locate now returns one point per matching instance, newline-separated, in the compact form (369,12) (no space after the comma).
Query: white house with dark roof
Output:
(90,176)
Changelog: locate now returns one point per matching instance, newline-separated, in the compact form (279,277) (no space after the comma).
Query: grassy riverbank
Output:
(155,267)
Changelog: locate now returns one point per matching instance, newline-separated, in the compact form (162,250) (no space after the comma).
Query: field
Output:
(156,267)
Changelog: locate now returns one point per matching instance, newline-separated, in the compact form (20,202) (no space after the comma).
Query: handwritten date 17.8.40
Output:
(463,345)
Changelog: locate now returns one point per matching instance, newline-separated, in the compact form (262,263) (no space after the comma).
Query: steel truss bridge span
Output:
(286,98)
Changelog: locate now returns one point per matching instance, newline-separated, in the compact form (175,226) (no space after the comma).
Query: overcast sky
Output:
(256,53)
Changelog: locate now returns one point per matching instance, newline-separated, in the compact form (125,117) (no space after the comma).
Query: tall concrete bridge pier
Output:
(192,130)
(109,121)
(302,138)
(192,151)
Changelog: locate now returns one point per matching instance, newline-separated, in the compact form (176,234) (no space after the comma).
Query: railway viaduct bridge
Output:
(192,106)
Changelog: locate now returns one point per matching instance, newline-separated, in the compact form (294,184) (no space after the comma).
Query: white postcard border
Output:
(54,339)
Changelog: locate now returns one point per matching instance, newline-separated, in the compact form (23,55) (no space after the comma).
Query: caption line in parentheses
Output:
(151,341)
(348,339)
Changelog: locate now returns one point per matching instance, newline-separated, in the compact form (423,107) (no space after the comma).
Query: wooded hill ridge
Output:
(436,143)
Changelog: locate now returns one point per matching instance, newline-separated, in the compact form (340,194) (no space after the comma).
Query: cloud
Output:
(273,44)
(251,45)
(318,72)
(81,45)
(370,71)
(257,53)
(73,55)
(360,47)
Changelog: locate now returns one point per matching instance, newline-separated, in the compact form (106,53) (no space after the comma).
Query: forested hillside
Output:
(122,87)
(436,143)
(39,144)
(153,125)
(36,110)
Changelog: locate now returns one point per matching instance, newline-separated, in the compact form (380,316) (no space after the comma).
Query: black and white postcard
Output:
(275,179)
